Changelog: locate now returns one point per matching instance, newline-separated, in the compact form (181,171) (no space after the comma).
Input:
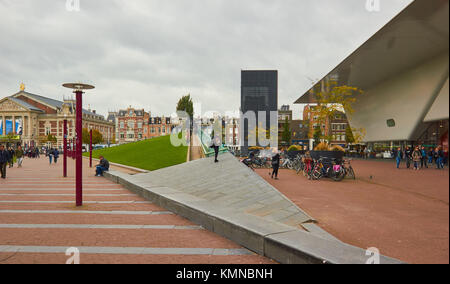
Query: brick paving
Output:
(39,221)
(404,213)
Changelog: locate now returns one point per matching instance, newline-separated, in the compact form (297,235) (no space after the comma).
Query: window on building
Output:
(140,124)
(131,136)
(122,124)
(122,136)
(163,129)
(130,123)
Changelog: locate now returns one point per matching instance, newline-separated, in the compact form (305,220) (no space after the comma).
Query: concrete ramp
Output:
(229,199)
(228,184)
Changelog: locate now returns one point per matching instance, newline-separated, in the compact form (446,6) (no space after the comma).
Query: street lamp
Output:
(65,147)
(90,146)
(78,90)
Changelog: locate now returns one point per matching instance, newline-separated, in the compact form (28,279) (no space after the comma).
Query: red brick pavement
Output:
(39,181)
(404,213)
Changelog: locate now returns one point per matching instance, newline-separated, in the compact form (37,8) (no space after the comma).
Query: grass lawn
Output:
(149,155)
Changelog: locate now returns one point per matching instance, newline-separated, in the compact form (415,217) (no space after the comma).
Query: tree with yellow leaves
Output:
(331,99)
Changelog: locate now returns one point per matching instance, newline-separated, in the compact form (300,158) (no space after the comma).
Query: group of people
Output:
(53,155)
(7,158)
(420,157)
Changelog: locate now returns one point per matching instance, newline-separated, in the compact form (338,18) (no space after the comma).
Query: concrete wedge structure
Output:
(231,200)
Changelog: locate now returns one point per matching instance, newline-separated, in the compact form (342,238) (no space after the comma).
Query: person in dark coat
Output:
(55,155)
(102,167)
(408,157)
(275,165)
(216,146)
(399,157)
(11,153)
(4,158)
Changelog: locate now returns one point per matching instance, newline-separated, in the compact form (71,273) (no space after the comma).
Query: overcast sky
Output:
(148,53)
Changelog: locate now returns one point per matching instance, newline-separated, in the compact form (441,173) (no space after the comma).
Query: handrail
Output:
(205,140)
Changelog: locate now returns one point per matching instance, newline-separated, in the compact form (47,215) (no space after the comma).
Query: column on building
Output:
(4,125)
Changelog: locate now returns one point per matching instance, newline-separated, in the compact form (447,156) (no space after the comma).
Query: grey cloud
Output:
(150,53)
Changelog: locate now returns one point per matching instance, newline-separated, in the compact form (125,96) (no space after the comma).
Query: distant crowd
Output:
(12,155)
(420,157)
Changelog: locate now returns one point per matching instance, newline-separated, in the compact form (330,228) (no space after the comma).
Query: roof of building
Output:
(25,104)
(50,102)
(417,34)
(45,100)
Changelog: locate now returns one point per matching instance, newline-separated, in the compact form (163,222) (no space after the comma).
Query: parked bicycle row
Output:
(314,169)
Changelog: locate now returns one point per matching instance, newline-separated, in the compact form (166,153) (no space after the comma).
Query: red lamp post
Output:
(90,147)
(78,90)
(65,148)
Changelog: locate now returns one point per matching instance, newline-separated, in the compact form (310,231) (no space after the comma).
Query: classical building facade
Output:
(27,119)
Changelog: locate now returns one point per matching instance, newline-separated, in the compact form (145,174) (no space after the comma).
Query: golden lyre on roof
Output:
(22,87)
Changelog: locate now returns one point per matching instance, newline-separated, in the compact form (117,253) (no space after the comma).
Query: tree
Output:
(349,138)
(51,138)
(317,135)
(185,104)
(86,136)
(332,99)
(286,136)
(97,137)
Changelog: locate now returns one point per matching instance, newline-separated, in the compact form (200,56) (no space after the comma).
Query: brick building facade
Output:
(137,124)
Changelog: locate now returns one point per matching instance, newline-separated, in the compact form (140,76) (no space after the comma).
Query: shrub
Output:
(323,146)
(337,148)
(295,148)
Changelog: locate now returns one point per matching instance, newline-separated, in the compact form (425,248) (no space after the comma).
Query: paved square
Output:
(403,213)
(39,221)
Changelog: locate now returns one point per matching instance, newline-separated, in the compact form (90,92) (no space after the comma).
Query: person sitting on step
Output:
(102,167)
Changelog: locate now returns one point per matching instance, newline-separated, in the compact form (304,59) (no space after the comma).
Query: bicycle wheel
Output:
(338,176)
(316,174)
(351,173)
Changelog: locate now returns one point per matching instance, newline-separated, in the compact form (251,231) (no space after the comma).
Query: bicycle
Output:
(349,172)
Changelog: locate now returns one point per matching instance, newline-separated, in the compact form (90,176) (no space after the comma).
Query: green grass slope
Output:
(149,155)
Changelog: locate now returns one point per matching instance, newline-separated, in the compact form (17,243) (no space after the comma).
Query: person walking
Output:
(424,159)
(440,160)
(408,157)
(102,167)
(275,165)
(55,155)
(399,157)
(416,157)
(19,155)
(216,146)
(50,155)
(366,153)
(430,156)
(4,158)
(11,157)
